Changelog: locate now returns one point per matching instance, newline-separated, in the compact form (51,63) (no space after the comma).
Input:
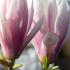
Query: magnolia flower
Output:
(16,18)
(49,39)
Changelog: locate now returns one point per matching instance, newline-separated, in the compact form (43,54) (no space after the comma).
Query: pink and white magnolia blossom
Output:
(16,18)
(49,39)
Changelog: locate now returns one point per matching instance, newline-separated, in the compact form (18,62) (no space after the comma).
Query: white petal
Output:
(62,20)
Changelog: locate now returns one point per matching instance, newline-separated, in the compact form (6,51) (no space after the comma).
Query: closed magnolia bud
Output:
(16,17)
(49,39)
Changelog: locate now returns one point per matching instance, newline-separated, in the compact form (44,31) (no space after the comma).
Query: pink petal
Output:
(14,27)
(18,26)
(50,17)
(31,34)
(37,42)
(52,13)
(61,24)
(2,8)
(62,20)
(30,17)
(66,43)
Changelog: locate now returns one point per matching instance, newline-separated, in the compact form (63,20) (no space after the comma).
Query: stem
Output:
(9,68)
(44,66)
(10,65)
(44,63)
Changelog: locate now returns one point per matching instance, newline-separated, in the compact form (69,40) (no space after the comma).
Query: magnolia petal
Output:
(6,43)
(58,2)
(30,16)
(31,34)
(66,43)
(62,22)
(38,10)
(13,29)
(5,40)
(52,13)
(37,42)
(2,8)
(17,26)
(8,51)
(13,8)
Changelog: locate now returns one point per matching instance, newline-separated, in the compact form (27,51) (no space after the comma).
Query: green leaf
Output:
(17,66)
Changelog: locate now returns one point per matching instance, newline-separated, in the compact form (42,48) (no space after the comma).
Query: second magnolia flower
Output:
(49,39)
